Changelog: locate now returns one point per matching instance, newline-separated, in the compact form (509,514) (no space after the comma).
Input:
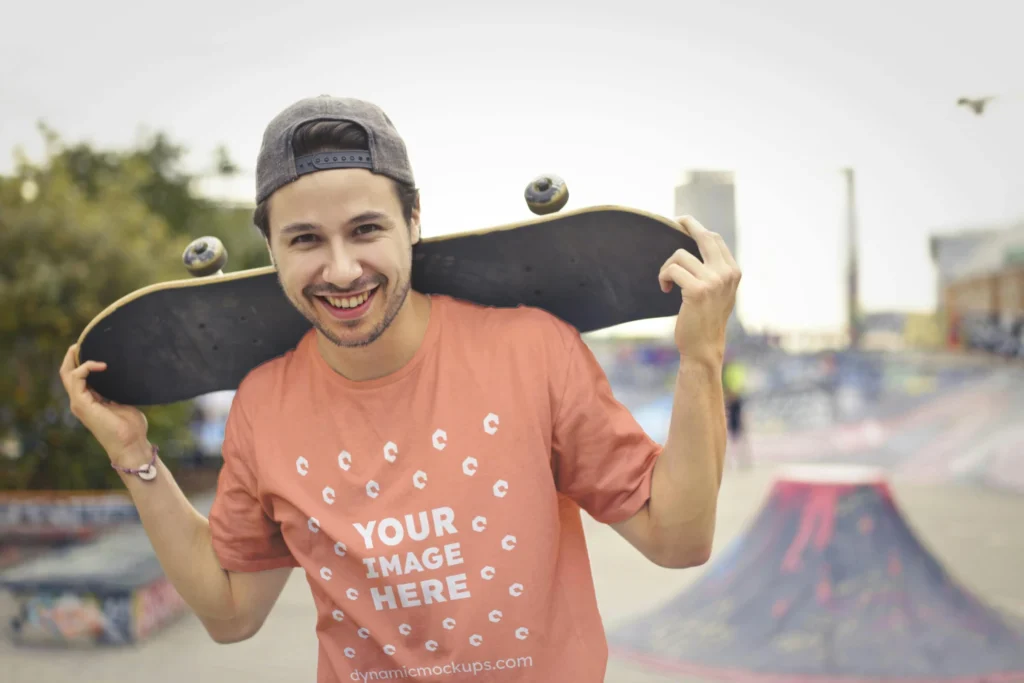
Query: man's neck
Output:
(390,352)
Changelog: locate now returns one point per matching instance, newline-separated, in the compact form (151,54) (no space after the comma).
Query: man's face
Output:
(343,252)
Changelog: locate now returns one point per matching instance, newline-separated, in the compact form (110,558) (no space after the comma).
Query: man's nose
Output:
(342,268)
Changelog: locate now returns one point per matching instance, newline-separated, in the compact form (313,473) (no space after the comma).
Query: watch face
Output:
(147,472)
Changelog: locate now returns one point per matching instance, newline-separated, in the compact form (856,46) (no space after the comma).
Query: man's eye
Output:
(307,237)
(369,227)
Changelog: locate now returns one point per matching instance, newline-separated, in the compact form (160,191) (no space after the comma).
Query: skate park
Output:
(876,552)
(871,536)
(870,524)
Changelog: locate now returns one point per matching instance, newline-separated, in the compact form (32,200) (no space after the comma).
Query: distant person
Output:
(734,378)
(424,460)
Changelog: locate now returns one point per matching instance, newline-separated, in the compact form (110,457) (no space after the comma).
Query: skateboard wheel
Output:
(546,194)
(204,256)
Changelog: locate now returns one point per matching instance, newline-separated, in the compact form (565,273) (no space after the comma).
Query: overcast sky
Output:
(618,98)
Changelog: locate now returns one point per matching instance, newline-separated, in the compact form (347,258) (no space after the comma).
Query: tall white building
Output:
(710,197)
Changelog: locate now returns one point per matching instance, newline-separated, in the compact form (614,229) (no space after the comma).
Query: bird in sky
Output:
(977,105)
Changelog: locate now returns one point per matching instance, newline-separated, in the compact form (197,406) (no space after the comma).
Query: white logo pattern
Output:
(470,466)
(491,423)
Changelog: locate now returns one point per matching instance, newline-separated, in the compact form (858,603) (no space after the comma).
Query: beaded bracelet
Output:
(147,472)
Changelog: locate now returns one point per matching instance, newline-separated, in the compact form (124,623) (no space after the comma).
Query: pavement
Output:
(975,531)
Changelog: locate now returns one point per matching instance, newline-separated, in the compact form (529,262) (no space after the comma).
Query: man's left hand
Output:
(708,290)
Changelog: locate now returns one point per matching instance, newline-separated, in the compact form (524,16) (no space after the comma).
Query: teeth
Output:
(347,302)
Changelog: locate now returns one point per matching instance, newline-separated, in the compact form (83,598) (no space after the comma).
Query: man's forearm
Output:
(180,536)
(684,495)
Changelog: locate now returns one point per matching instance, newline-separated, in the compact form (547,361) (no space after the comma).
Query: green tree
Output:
(169,191)
(79,230)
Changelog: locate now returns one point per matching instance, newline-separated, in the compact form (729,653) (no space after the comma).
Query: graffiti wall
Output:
(154,606)
(109,591)
(73,617)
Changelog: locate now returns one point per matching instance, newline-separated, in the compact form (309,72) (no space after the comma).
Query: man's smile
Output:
(348,307)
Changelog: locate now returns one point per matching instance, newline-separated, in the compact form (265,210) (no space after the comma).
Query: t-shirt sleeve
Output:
(604,459)
(245,538)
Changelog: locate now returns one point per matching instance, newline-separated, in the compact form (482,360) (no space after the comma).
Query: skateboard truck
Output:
(546,194)
(205,256)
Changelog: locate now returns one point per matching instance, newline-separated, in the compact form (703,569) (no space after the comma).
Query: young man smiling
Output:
(423,459)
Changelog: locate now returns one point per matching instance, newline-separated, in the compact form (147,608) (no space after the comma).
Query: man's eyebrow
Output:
(297,227)
(368,216)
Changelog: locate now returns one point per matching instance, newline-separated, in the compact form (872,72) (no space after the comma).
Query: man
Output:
(424,459)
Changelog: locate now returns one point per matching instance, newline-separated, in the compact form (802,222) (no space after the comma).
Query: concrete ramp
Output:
(828,583)
(111,591)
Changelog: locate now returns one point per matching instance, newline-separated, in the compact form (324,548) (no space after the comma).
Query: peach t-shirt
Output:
(436,511)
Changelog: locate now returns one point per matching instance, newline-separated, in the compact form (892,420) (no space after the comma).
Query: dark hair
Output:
(325,136)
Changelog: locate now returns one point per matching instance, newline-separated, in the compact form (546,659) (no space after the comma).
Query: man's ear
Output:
(265,219)
(414,221)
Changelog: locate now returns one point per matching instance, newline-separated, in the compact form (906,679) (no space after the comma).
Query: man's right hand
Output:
(120,429)
(232,606)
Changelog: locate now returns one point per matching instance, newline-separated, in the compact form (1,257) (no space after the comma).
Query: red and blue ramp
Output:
(828,583)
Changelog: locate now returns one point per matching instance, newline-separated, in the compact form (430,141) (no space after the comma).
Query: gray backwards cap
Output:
(277,164)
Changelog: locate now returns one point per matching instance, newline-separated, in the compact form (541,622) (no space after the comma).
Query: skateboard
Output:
(594,267)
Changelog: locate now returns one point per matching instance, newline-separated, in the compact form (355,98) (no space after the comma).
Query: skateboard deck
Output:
(594,268)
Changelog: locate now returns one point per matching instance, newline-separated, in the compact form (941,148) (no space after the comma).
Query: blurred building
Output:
(951,252)
(899,331)
(710,197)
(981,289)
(883,331)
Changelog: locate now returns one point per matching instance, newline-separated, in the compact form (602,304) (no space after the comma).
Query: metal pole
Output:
(852,272)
